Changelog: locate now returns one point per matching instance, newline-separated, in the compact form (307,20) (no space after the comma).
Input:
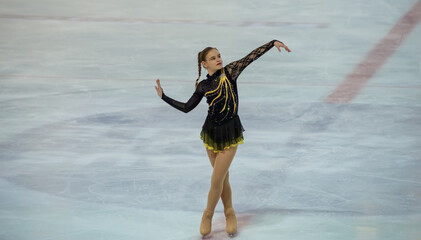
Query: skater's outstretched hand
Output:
(280,45)
(158,88)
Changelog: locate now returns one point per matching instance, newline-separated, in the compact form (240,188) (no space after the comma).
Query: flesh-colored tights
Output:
(220,187)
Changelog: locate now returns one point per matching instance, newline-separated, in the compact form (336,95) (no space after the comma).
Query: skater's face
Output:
(213,61)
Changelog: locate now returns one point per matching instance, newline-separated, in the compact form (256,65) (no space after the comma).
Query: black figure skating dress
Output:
(222,128)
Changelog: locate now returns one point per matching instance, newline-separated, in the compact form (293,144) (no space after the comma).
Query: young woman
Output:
(222,130)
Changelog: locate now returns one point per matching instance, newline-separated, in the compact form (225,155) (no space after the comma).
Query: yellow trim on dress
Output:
(240,140)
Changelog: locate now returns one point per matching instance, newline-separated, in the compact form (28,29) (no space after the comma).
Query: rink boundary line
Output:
(171,81)
(162,21)
(376,58)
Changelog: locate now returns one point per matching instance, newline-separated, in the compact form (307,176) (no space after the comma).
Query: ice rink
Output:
(88,151)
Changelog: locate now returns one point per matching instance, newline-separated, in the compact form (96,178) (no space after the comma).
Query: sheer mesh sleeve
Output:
(235,68)
(189,105)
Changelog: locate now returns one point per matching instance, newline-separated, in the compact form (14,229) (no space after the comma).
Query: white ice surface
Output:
(88,151)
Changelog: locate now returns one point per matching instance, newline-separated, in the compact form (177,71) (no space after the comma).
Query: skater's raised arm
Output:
(236,67)
(184,107)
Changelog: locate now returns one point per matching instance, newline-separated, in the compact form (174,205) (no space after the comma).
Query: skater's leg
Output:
(230,217)
(226,195)
(222,163)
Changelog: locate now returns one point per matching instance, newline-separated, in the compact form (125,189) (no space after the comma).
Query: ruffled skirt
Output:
(220,137)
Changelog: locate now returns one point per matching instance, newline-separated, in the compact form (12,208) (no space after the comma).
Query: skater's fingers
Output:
(159,83)
(280,45)
(159,91)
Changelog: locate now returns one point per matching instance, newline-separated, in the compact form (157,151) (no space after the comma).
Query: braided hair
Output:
(200,58)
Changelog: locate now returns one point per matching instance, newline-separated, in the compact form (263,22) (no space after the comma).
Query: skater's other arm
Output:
(236,67)
(184,107)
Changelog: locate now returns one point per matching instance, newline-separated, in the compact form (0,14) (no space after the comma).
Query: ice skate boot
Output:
(206,225)
(231,219)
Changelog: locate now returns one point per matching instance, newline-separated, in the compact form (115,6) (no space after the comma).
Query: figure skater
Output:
(222,131)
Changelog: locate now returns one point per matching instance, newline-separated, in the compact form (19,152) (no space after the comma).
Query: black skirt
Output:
(218,137)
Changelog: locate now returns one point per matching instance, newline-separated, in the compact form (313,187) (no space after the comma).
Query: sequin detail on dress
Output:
(224,85)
